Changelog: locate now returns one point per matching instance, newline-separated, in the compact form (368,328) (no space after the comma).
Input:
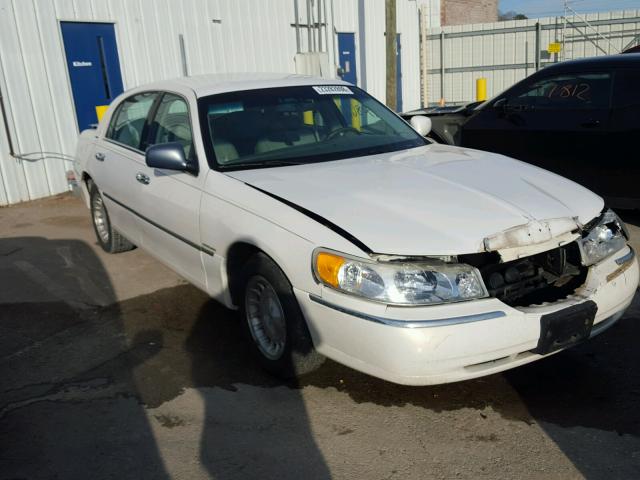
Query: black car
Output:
(580,119)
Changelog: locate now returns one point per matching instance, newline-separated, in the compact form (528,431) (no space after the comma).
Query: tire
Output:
(108,237)
(293,353)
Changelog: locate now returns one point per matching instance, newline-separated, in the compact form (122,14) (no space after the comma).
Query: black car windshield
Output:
(302,124)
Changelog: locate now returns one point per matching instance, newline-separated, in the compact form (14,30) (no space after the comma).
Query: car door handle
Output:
(591,124)
(99,156)
(142,178)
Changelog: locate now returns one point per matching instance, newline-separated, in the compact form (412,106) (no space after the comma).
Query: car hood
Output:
(432,200)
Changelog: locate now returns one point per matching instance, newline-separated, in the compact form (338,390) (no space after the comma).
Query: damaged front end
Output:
(546,261)
(541,278)
(537,263)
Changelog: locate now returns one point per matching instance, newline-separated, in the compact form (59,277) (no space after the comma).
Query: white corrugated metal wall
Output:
(505,52)
(432,11)
(219,35)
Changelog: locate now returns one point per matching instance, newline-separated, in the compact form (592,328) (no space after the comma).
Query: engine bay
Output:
(542,278)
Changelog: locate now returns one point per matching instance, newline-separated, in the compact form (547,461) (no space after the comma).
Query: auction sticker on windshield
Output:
(333,90)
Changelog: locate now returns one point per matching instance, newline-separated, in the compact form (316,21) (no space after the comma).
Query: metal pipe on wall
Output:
(309,26)
(319,25)
(537,46)
(5,121)
(442,67)
(312,27)
(334,41)
(183,55)
(326,26)
(296,12)
(361,44)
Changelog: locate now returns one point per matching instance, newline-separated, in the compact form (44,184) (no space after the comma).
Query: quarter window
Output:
(127,124)
(573,91)
(172,124)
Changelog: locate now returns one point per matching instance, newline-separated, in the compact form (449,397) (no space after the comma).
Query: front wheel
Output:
(108,237)
(274,322)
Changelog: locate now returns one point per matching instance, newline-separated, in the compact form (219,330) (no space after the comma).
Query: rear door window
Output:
(583,91)
(127,124)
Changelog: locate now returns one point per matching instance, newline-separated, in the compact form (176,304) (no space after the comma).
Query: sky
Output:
(550,8)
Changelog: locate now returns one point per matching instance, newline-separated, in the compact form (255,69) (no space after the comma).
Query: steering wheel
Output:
(341,131)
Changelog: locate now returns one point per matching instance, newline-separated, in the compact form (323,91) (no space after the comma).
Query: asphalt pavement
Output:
(111,366)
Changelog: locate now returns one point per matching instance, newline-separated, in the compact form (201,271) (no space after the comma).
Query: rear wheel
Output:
(273,321)
(108,237)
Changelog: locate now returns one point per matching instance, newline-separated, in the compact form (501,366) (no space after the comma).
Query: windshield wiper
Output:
(265,163)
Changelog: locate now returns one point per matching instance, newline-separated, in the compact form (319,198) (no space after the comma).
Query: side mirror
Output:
(500,104)
(168,156)
(470,107)
(421,124)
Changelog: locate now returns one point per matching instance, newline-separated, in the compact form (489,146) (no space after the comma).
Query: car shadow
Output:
(83,377)
(259,432)
(252,424)
(586,400)
(68,394)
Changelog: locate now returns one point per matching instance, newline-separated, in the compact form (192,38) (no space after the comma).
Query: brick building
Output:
(459,12)
(440,13)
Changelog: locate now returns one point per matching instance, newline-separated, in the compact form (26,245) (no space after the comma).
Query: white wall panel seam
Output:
(5,197)
(25,194)
(33,191)
(56,123)
(10,168)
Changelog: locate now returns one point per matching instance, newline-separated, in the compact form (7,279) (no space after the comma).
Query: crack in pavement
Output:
(66,392)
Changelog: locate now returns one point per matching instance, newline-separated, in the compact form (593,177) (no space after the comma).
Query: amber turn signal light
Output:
(327,267)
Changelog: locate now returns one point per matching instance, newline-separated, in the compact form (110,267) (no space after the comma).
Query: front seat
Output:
(225,151)
(285,131)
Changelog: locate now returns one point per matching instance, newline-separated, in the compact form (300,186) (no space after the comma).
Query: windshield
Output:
(291,125)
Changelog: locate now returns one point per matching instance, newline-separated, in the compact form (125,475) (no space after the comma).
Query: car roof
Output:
(627,60)
(211,84)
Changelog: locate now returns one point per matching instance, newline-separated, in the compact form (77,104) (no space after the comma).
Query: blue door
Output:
(347,57)
(398,74)
(94,67)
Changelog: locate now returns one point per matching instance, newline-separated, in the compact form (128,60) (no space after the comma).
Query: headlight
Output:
(605,238)
(402,283)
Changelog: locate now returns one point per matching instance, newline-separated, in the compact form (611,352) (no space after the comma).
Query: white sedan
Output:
(339,231)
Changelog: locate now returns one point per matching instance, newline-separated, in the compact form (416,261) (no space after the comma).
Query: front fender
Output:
(232,212)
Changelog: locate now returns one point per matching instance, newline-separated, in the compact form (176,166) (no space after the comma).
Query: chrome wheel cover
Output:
(265,317)
(100,220)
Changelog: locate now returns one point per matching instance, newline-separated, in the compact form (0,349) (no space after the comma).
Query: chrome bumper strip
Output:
(627,257)
(625,262)
(410,323)
(606,324)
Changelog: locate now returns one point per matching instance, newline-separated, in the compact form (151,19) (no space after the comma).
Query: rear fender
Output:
(82,160)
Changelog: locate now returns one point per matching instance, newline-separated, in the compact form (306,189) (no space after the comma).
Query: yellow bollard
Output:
(100,109)
(307,117)
(356,115)
(481,89)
